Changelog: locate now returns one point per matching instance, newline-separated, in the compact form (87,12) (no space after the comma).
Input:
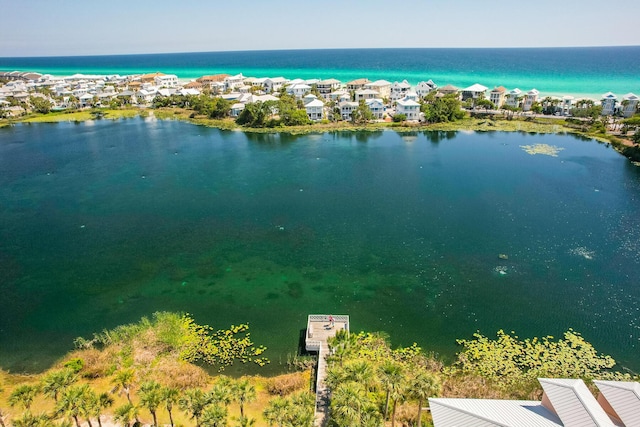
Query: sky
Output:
(89,27)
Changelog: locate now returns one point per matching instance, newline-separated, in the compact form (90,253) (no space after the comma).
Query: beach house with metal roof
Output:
(608,102)
(529,99)
(476,91)
(629,104)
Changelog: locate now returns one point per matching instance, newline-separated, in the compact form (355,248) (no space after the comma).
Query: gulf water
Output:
(585,71)
(427,236)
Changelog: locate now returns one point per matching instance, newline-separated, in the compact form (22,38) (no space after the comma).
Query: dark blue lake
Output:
(427,236)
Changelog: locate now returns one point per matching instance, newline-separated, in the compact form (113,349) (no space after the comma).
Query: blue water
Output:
(104,222)
(586,71)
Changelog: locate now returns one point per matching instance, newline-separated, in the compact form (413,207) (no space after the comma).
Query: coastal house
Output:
(273,84)
(299,90)
(146,96)
(629,104)
(233,82)
(514,98)
(315,109)
(383,88)
(340,95)
(474,92)
(424,88)
(166,80)
(376,106)
(530,98)
(145,78)
(565,402)
(236,109)
(399,90)
(346,108)
(364,94)
(411,109)
(357,84)
(608,102)
(497,96)
(449,90)
(566,105)
(325,87)
(214,82)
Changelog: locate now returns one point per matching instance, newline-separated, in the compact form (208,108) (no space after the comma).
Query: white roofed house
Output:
(346,108)
(376,106)
(273,84)
(236,109)
(566,104)
(299,90)
(529,99)
(399,90)
(364,94)
(315,109)
(325,87)
(383,88)
(609,101)
(423,88)
(476,91)
(408,107)
(514,98)
(629,104)
(166,80)
(357,84)
(233,82)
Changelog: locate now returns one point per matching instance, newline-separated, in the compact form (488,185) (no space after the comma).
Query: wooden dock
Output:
(318,331)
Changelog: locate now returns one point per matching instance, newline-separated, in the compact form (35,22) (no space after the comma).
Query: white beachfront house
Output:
(233,82)
(166,80)
(325,87)
(236,109)
(497,96)
(514,97)
(609,101)
(346,108)
(530,98)
(315,109)
(565,402)
(274,84)
(399,90)
(476,91)
(566,104)
(383,88)
(408,107)
(376,106)
(340,95)
(423,88)
(629,104)
(298,90)
(364,94)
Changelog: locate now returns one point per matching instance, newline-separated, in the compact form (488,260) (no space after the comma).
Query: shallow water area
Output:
(428,236)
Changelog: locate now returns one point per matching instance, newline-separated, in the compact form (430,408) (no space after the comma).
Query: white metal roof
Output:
(476,88)
(631,96)
(624,398)
(574,403)
(489,413)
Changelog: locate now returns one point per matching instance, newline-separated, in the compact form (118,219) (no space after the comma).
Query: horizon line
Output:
(318,49)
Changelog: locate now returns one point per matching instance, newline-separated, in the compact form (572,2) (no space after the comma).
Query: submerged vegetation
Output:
(153,372)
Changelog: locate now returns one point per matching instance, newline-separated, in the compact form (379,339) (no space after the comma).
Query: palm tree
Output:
(214,416)
(73,402)
(1,413)
(170,397)
(422,386)
(123,380)
(278,411)
(348,402)
(303,409)
(397,395)
(150,398)
(56,381)
(391,374)
(243,392)
(103,401)
(125,414)
(23,395)
(246,422)
(221,392)
(194,401)
(30,420)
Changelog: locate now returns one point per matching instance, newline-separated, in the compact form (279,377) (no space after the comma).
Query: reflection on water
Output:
(428,236)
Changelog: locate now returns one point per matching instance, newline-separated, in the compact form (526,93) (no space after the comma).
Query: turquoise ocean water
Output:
(104,222)
(553,71)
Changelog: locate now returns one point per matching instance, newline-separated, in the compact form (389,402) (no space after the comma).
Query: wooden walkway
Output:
(318,331)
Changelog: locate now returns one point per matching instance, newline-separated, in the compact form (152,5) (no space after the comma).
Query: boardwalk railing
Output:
(319,330)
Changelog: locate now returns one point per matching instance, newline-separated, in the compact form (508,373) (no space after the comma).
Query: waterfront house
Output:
(233,82)
(194,85)
(629,104)
(145,78)
(383,88)
(340,95)
(411,109)
(608,101)
(315,109)
(566,104)
(325,87)
(236,109)
(364,94)
(514,98)
(565,402)
(399,90)
(274,84)
(423,88)
(530,98)
(214,82)
(346,108)
(476,91)
(166,80)
(497,96)
(299,90)
(376,106)
(449,90)
(357,84)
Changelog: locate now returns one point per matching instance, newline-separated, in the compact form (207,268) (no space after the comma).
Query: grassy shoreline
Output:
(493,123)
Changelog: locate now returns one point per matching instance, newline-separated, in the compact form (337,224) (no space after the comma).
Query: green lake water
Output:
(104,222)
